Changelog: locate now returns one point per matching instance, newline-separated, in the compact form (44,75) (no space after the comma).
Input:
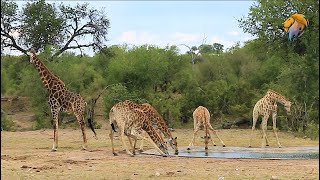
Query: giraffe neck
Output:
(277,97)
(147,108)
(163,127)
(49,80)
(157,119)
(152,133)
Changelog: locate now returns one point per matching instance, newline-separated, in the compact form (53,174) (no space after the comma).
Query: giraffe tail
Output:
(92,127)
(90,118)
(113,128)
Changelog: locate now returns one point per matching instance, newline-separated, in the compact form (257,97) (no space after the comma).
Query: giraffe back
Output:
(201,117)
(265,105)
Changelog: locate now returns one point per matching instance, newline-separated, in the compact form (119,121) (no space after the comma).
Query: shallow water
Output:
(245,152)
(259,155)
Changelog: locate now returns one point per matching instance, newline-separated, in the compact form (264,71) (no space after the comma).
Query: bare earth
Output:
(27,155)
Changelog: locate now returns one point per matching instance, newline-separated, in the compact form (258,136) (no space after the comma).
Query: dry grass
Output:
(27,155)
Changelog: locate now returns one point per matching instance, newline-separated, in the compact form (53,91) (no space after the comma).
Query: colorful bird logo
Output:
(295,26)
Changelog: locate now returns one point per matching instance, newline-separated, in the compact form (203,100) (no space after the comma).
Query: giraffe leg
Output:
(112,146)
(83,130)
(267,141)
(206,138)
(210,137)
(264,129)
(130,142)
(134,144)
(144,134)
(215,133)
(125,144)
(254,122)
(151,141)
(274,122)
(192,141)
(55,114)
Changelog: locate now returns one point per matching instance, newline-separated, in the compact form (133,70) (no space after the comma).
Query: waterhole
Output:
(245,152)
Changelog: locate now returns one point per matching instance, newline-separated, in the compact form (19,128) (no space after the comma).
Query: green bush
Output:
(312,131)
(6,123)
(41,122)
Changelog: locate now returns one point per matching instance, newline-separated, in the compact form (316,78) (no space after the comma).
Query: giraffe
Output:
(60,99)
(201,118)
(132,122)
(160,125)
(157,121)
(265,107)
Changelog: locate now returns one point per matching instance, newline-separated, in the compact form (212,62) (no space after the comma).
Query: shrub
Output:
(312,131)
(41,122)
(6,123)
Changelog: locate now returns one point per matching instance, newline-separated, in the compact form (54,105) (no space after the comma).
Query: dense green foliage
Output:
(228,83)
(6,123)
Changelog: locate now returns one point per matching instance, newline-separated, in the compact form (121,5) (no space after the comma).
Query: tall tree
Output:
(292,67)
(41,24)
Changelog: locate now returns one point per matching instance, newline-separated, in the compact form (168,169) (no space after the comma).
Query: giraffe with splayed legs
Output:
(132,123)
(265,107)
(157,121)
(60,99)
(201,119)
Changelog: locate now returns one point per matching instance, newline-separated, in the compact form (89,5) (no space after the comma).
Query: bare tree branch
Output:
(13,44)
(61,28)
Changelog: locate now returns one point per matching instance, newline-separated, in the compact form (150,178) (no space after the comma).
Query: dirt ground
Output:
(27,155)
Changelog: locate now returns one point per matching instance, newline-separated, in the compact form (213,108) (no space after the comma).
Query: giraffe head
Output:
(173,143)
(163,147)
(32,55)
(287,106)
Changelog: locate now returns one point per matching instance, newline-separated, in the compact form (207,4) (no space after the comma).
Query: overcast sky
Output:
(172,22)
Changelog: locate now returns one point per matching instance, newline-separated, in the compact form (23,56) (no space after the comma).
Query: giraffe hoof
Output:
(223,145)
(140,150)
(115,154)
(206,148)
(249,146)
(53,150)
(214,145)
(188,148)
(267,145)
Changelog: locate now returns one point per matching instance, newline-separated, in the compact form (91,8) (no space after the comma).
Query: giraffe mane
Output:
(32,50)
(270,90)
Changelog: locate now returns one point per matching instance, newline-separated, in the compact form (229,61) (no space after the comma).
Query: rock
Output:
(239,122)
(24,166)
(157,174)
